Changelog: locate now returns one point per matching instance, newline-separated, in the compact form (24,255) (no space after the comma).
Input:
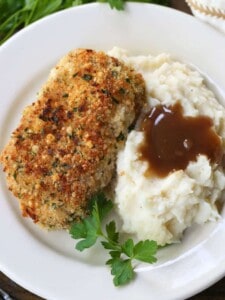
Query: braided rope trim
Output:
(208,11)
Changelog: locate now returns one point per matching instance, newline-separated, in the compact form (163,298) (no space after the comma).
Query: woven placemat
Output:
(212,12)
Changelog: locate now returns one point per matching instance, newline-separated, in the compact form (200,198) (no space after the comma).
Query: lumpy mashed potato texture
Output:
(162,208)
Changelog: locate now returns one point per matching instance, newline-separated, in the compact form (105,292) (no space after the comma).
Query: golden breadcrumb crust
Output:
(65,147)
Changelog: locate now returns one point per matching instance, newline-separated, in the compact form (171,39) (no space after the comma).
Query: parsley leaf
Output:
(145,251)
(128,248)
(101,205)
(118,4)
(113,236)
(88,230)
(78,231)
(122,270)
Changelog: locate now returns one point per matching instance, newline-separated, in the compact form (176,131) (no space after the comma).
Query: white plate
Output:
(46,263)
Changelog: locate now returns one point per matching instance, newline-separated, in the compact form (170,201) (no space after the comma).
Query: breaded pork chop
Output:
(65,147)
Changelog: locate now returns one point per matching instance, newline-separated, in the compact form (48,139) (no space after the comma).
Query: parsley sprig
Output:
(122,254)
(17,14)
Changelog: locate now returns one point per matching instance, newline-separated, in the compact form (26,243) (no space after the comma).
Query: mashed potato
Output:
(162,208)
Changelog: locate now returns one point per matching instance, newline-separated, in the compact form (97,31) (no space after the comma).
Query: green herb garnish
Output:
(122,254)
(87,77)
(120,137)
(17,14)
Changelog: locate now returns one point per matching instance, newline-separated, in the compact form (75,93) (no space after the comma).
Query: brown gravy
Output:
(173,140)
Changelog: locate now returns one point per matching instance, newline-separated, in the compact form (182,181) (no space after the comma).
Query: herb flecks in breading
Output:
(65,140)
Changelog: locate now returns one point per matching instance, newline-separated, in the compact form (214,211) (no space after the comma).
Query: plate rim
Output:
(25,31)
